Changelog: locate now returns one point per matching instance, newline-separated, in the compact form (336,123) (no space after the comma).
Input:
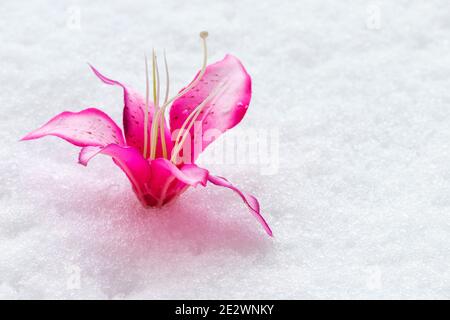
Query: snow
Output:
(360,199)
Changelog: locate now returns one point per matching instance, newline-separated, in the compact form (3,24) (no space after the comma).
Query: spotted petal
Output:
(90,127)
(221,113)
(133,117)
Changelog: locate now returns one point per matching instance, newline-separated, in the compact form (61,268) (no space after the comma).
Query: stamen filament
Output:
(167,78)
(156,114)
(154,78)
(191,120)
(157,81)
(163,137)
(193,114)
(203,36)
(146,109)
(162,111)
(159,112)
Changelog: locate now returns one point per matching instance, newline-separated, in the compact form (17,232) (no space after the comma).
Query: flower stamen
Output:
(159,112)
(162,111)
(167,78)
(203,36)
(156,114)
(146,109)
(190,120)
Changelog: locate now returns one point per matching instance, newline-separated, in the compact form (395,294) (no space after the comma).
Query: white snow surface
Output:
(360,205)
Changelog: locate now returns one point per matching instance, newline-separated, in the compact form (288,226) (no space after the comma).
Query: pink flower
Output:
(158,159)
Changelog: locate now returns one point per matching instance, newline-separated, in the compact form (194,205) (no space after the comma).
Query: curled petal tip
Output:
(269,231)
(90,66)
(251,202)
(82,163)
(28,136)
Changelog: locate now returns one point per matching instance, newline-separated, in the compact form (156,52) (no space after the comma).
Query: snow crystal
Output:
(359,202)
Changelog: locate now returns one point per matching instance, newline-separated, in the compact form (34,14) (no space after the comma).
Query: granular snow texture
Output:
(359,92)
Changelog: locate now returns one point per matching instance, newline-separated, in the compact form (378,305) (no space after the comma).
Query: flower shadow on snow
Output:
(115,239)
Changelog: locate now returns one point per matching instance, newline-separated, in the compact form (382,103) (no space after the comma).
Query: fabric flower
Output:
(159,158)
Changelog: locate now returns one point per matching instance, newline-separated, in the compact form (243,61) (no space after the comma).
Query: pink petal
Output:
(155,182)
(129,159)
(189,173)
(87,153)
(249,200)
(168,181)
(90,127)
(133,117)
(224,112)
